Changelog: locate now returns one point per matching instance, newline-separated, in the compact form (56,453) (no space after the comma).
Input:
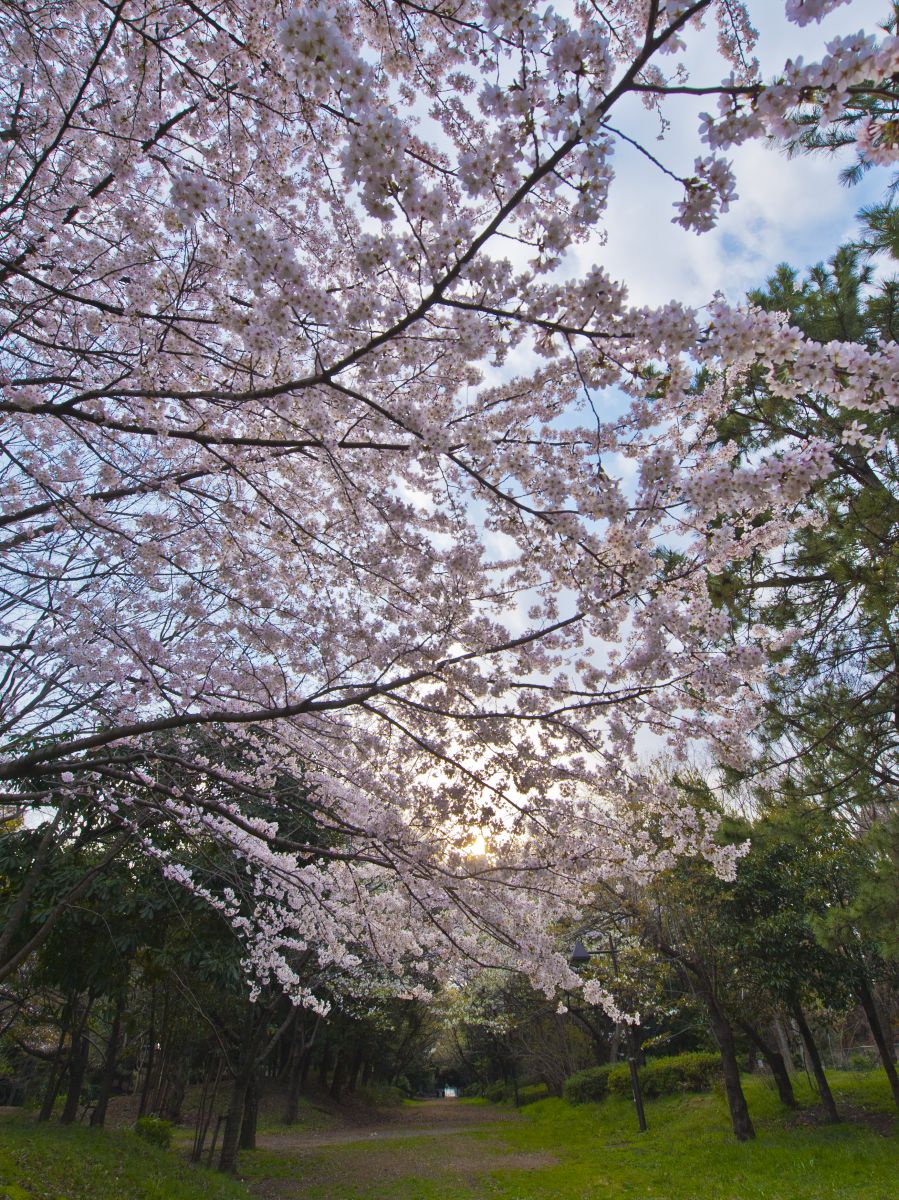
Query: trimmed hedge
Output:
(586,1087)
(695,1072)
(504,1093)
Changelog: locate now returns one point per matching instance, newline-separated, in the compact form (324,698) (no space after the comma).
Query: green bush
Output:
(154,1130)
(471,1090)
(620,1080)
(863,1060)
(695,1072)
(498,1092)
(586,1087)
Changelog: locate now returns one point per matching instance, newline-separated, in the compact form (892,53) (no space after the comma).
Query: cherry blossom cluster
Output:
(309,471)
(752,111)
(708,192)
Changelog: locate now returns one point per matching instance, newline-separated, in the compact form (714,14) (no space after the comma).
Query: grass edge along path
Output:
(594,1152)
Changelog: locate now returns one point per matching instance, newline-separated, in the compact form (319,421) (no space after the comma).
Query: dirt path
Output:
(428,1118)
(434,1148)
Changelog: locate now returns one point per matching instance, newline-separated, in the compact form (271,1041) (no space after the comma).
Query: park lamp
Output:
(580,957)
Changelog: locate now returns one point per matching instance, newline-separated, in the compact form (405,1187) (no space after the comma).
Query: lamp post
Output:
(580,956)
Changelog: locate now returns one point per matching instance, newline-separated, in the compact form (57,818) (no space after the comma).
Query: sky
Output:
(789,210)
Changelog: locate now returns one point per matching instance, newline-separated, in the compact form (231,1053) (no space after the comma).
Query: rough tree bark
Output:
(110,1061)
(863,991)
(743,1128)
(776,1064)
(827,1100)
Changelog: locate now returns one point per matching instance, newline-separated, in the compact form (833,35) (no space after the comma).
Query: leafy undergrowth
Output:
(553,1151)
(51,1162)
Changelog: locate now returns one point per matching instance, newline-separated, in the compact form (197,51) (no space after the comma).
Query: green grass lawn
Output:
(548,1151)
(51,1162)
(689,1153)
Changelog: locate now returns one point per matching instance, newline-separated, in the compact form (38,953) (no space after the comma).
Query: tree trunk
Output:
(324,1067)
(339,1076)
(234,1120)
(783,1044)
(172,1098)
(615,1043)
(250,1114)
(98,1116)
(636,1090)
(57,1070)
(206,1110)
(814,1058)
(355,1069)
(77,1068)
(776,1064)
(298,1076)
(736,1101)
(306,1068)
(151,1056)
(885,1051)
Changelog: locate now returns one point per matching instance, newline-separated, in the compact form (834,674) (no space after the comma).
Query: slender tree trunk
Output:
(863,991)
(324,1066)
(339,1076)
(98,1116)
(295,1086)
(776,1064)
(355,1069)
(151,1057)
(172,1097)
(77,1068)
(306,1067)
(636,1090)
(57,1070)
(783,1044)
(250,1114)
(736,1101)
(811,1050)
(206,1110)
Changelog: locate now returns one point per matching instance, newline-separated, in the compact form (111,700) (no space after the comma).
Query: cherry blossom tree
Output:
(306,466)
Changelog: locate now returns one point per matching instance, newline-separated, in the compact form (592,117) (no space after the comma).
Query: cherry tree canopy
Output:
(306,471)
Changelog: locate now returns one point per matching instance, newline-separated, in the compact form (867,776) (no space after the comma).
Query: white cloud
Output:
(788,209)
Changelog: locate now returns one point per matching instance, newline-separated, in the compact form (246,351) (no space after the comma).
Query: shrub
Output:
(586,1087)
(695,1072)
(154,1130)
(862,1060)
(620,1080)
(471,1090)
(530,1093)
